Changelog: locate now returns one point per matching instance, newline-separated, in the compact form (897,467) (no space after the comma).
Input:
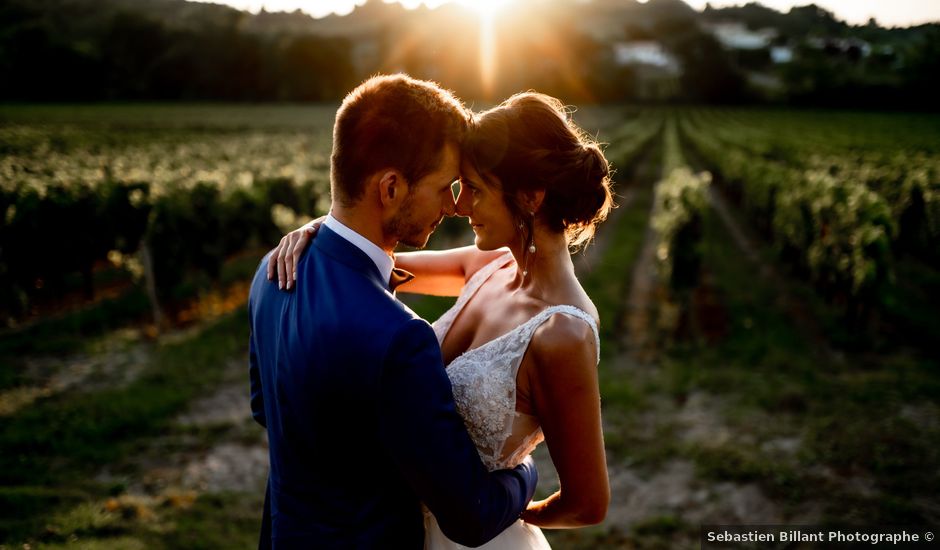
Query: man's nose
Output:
(449,205)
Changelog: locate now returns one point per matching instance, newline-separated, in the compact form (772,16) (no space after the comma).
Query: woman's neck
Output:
(549,268)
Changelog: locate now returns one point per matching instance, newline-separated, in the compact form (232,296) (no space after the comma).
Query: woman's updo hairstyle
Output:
(530,143)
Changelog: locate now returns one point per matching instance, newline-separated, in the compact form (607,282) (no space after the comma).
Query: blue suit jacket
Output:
(360,416)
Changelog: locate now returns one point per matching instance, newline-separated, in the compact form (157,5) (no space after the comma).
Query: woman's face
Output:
(483,203)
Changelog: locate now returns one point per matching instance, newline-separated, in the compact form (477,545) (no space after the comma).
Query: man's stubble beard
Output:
(403,226)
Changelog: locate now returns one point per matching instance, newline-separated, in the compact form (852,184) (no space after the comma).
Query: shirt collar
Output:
(378,256)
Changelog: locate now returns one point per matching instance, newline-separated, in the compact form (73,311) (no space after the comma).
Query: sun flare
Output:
(486,8)
(488,11)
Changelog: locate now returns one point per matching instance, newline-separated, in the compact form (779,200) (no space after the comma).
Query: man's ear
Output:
(531,201)
(392,187)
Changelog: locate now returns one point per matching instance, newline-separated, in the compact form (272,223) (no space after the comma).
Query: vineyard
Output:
(769,290)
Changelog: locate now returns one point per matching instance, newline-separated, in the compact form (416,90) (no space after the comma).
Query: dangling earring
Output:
(532,236)
(531,249)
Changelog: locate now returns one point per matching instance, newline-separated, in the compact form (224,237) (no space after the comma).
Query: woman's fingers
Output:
(285,256)
(272,260)
(281,278)
(290,260)
(303,239)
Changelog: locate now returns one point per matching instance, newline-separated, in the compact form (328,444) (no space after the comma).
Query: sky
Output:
(888,12)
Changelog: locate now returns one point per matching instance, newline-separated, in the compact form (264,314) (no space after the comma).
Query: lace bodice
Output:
(484,379)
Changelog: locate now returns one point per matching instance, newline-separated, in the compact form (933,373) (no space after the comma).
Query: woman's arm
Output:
(564,393)
(439,273)
(443,272)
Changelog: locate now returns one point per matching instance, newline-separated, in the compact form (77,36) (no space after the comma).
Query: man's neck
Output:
(366,224)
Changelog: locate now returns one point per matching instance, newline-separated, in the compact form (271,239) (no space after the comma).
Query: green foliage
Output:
(131,50)
(846,418)
(835,215)
(191,188)
(677,216)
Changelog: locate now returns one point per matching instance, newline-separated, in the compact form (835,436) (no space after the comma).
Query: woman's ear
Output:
(531,201)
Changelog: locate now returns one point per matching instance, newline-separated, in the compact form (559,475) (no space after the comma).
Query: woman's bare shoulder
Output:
(564,339)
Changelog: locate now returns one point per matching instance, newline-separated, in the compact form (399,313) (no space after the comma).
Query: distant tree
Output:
(129,48)
(708,71)
(922,70)
(315,68)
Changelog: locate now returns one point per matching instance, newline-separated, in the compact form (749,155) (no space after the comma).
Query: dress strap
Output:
(481,276)
(573,311)
(442,325)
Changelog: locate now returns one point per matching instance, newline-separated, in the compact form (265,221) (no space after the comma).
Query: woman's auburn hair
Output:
(530,143)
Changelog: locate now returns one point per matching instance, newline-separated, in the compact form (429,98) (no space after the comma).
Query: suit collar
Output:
(381,258)
(348,254)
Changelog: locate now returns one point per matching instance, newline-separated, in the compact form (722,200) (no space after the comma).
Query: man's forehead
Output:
(450,160)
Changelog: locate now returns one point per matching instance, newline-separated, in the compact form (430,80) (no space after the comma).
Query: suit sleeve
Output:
(426,437)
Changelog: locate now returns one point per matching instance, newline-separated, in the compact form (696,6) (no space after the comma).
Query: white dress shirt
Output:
(381,258)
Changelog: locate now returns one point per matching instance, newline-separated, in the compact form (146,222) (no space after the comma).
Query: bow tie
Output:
(398,277)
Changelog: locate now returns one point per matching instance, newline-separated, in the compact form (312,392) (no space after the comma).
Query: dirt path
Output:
(638,337)
(639,314)
(213,446)
(119,358)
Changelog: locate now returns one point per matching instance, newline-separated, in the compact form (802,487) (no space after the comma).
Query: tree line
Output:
(84,50)
(125,55)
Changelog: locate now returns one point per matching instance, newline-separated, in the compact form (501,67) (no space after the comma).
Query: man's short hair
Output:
(392,121)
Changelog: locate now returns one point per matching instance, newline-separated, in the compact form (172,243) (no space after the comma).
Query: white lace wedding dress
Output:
(484,382)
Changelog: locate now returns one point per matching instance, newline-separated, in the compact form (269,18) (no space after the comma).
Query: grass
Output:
(223,520)
(59,441)
(229,520)
(71,331)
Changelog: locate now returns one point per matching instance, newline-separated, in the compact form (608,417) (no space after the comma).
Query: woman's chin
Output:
(481,243)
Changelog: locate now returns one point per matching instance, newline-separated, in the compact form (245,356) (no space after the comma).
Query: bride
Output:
(521,342)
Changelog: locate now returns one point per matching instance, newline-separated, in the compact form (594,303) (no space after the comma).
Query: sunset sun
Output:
(486,8)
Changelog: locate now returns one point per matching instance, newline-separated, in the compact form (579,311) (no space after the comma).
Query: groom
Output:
(348,381)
